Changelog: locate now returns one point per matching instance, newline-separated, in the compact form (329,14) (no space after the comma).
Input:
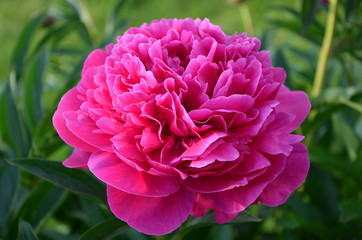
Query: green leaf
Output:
(42,202)
(26,232)
(23,44)
(280,61)
(350,210)
(309,9)
(33,86)
(208,219)
(75,180)
(332,162)
(55,34)
(113,23)
(85,27)
(221,232)
(92,212)
(14,131)
(9,178)
(346,135)
(105,230)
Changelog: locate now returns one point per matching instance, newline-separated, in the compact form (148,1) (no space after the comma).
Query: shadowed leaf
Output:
(75,180)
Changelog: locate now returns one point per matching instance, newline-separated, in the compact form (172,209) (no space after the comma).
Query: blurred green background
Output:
(14,14)
(44,43)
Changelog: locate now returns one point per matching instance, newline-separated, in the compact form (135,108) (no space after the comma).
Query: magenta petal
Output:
(84,128)
(78,159)
(69,102)
(211,184)
(202,144)
(222,217)
(94,59)
(237,199)
(151,215)
(112,170)
(295,103)
(296,169)
(240,103)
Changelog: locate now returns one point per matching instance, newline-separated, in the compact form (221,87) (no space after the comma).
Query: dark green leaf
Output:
(324,193)
(43,200)
(23,44)
(33,86)
(75,180)
(332,162)
(221,232)
(55,35)
(309,9)
(105,230)
(350,210)
(26,232)
(12,127)
(242,217)
(9,178)
(346,135)
(92,212)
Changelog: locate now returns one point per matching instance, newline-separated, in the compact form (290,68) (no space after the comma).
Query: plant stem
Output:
(246,18)
(326,46)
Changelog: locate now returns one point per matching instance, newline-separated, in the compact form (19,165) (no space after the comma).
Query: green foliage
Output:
(41,199)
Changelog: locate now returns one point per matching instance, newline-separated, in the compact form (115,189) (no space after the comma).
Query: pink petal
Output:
(112,170)
(251,162)
(78,159)
(85,129)
(94,59)
(222,152)
(151,215)
(296,169)
(295,103)
(202,144)
(69,102)
(239,198)
(213,184)
(236,102)
(274,142)
(222,217)
(201,205)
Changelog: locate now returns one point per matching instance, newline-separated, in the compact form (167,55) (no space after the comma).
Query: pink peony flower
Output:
(178,118)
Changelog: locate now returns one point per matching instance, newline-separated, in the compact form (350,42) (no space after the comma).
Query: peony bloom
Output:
(178,118)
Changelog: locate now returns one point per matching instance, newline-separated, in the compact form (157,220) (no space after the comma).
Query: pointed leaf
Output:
(43,200)
(12,128)
(9,178)
(309,9)
(26,232)
(344,132)
(23,44)
(208,219)
(105,230)
(75,180)
(33,87)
